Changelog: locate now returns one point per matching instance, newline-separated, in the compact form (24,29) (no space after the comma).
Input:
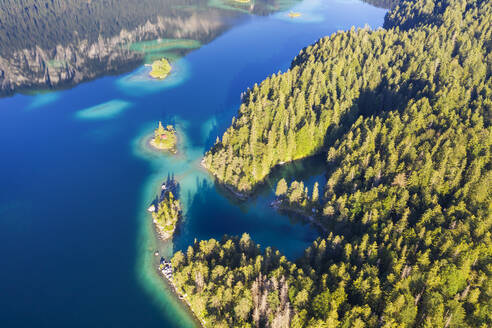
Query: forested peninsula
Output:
(402,115)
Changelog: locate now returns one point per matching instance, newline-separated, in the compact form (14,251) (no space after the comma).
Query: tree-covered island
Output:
(166,209)
(403,117)
(160,69)
(356,75)
(165,138)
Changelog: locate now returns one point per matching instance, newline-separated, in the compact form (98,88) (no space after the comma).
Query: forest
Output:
(25,24)
(50,23)
(166,214)
(168,210)
(59,43)
(402,116)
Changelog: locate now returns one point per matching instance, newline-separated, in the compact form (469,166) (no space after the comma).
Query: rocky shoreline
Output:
(152,144)
(276,204)
(166,206)
(166,270)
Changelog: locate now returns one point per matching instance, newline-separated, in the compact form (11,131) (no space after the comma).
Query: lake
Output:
(76,176)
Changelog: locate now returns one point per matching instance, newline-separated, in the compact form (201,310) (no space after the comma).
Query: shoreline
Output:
(169,284)
(150,141)
(231,189)
(182,298)
(161,234)
(277,205)
(160,69)
(172,210)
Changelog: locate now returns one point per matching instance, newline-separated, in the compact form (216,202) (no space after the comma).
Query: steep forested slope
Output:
(403,116)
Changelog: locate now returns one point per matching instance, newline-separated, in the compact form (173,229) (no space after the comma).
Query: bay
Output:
(76,242)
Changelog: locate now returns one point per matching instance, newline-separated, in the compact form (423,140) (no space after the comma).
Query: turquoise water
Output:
(106,110)
(77,243)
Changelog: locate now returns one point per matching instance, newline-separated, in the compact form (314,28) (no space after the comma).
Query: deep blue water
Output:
(76,242)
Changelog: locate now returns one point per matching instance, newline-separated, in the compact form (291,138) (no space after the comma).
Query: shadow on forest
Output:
(169,185)
(377,101)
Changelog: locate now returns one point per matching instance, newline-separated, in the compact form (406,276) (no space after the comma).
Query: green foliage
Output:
(403,115)
(388,4)
(167,214)
(159,131)
(54,43)
(49,23)
(357,74)
(281,187)
(160,69)
(165,138)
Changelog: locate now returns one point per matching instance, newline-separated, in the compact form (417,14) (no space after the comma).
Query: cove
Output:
(77,243)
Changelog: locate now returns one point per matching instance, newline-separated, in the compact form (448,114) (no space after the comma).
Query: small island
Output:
(160,69)
(166,210)
(294,14)
(164,138)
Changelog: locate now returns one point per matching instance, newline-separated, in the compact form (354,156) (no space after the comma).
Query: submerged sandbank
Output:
(104,110)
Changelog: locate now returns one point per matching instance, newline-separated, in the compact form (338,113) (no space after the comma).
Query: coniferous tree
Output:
(403,117)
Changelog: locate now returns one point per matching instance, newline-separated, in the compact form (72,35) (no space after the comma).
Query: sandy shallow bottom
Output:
(185,167)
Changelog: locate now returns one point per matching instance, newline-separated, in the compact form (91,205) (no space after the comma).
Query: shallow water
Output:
(106,110)
(77,243)
(140,84)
